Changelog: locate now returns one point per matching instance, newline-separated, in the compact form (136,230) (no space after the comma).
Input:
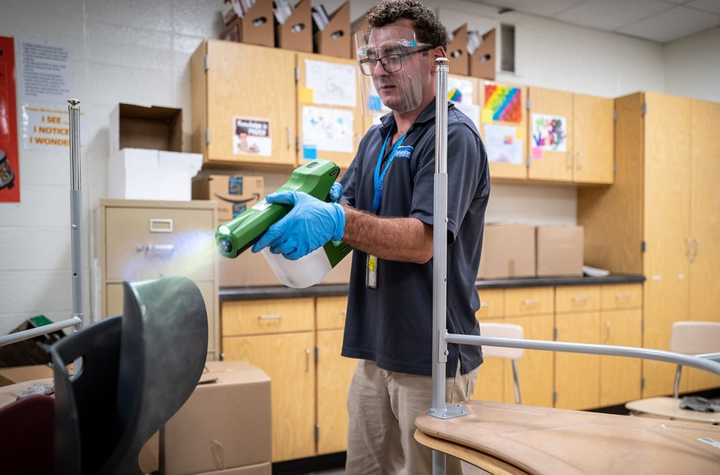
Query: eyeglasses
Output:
(391,63)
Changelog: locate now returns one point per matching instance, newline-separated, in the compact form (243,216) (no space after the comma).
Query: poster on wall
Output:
(45,78)
(502,104)
(329,83)
(548,133)
(503,145)
(9,158)
(328,130)
(251,137)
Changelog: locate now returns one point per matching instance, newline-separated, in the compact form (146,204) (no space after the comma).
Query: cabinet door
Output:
(593,146)
(490,382)
(334,374)
(577,377)
(256,84)
(492,304)
(535,367)
(330,121)
(704,226)
(550,129)
(504,121)
(666,224)
(330,312)
(287,359)
(620,377)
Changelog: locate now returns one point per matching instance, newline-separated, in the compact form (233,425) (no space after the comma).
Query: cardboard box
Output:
(482,61)
(260,469)
(457,51)
(297,33)
(223,425)
(559,250)
(252,270)
(10,393)
(508,251)
(147,127)
(257,27)
(233,193)
(144,174)
(18,374)
(335,39)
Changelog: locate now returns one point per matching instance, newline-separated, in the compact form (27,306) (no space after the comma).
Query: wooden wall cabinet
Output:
(659,218)
(141,240)
(234,82)
(587,156)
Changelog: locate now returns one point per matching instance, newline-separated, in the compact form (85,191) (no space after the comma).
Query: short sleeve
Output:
(467,178)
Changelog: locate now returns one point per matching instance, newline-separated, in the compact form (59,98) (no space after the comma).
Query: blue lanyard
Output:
(379,177)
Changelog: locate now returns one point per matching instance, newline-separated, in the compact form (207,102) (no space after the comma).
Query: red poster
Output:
(9,159)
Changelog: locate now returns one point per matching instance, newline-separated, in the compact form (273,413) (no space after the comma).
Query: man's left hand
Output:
(310,224)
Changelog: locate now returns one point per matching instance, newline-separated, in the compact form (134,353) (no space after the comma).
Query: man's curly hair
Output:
(427,27)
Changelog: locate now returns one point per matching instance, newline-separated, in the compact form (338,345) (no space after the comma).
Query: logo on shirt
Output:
(404,151)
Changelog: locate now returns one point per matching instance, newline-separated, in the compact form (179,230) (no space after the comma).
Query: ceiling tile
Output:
(706,5)
(543,8)
(612,14)
(672,24)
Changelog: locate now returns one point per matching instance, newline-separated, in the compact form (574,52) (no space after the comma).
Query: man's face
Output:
(401,91)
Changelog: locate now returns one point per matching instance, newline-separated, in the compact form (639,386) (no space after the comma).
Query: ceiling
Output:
(657,20)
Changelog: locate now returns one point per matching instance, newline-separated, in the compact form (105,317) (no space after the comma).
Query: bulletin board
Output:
(9,158)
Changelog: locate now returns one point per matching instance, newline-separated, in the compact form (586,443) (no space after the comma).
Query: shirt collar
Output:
(427,115)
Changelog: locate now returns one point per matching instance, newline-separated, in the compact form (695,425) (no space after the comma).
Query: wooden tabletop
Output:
(669,408)
(539,440)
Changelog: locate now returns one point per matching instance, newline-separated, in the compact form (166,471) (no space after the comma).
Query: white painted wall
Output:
(692,66)
(137,51)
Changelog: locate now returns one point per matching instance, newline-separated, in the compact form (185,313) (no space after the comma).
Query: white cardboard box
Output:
(144,174)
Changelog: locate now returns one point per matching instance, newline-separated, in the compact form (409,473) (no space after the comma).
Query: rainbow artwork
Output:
(455,95)
(502,104)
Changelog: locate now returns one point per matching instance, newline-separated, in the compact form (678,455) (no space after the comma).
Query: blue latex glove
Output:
(311,223)
(336,192)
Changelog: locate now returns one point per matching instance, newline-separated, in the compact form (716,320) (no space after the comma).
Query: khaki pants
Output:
(382,406)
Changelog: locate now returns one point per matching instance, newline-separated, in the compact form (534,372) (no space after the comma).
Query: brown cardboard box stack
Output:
(559,250)
(233,193)
(223,429)
(520,250)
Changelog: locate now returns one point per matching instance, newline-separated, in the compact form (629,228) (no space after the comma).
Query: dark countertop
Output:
(329,290)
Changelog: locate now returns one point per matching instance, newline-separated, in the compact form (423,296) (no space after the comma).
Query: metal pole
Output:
(43,330)
(706,364)
(76,211)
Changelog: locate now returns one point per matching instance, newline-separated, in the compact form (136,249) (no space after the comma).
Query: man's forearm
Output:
(394,239)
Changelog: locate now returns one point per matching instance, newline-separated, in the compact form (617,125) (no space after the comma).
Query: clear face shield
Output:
(393,69)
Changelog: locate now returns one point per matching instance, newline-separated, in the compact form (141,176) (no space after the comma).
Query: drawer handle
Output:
(529,302)
(622,297)
(270,318)
(156,249)
(484,304)
(581,300)
(307,360)
(158,225)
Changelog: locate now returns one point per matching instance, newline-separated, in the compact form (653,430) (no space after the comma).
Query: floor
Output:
(467,470)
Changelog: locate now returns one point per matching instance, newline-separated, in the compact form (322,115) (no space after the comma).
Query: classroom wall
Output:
(138,51)
(692,66)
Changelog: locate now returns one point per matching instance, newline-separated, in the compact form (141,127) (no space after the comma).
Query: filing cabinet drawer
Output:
(577,299)
(530,301)
(331,312)
(492,304)
(621,296)
(252,317)
(149,243)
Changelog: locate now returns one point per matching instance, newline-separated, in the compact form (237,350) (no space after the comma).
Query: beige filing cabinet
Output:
(142,240)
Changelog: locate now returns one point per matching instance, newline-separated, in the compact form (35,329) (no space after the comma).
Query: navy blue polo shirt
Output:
(392,324)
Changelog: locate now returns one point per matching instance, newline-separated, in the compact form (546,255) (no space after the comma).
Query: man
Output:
(386,215)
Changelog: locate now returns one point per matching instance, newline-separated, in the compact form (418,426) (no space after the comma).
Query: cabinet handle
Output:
(582,299)
(157,249)
(158,225)
(287,130)
(694,250)
(624,297)
(270,318)
(484,304)
(529,302)
(307,360)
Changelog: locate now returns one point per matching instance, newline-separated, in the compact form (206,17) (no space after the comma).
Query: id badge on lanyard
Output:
(371,268)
